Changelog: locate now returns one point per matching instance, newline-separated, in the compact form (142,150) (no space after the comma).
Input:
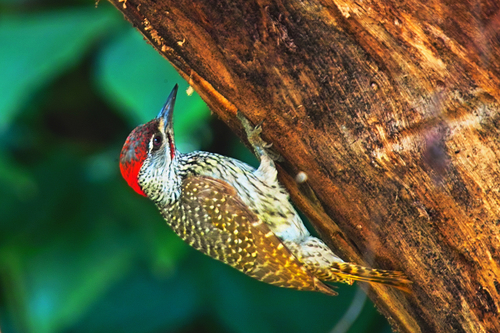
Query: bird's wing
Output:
(226,229)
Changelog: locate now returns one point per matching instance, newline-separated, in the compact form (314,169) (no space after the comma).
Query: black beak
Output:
(168,110)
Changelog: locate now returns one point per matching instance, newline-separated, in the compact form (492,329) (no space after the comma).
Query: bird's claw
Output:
(253,135)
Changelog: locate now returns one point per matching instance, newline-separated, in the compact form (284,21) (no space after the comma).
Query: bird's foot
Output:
(261,147)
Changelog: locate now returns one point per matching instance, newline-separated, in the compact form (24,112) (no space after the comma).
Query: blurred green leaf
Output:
(55,270)
(17,179)
(39,46)
(59,283)
(137,80)
(143,303)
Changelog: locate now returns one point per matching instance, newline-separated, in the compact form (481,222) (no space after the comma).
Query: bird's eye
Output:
(157,141)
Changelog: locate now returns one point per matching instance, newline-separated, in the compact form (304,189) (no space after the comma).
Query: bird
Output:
(235,213)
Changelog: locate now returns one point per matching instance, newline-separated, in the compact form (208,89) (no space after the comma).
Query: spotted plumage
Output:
(234,213)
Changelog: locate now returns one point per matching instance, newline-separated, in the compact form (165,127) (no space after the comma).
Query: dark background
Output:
(79,250)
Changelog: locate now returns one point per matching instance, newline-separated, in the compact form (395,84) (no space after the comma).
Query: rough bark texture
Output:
(390,108)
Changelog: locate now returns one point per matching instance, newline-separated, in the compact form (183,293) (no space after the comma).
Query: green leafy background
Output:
(79,250)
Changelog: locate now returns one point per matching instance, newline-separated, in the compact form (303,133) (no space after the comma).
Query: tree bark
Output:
(390,108)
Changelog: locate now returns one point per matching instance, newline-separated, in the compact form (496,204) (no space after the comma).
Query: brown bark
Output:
(389,107)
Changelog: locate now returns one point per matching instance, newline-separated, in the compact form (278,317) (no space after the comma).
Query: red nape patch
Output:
(134,152)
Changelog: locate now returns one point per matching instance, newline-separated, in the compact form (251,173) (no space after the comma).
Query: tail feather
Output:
(347,273)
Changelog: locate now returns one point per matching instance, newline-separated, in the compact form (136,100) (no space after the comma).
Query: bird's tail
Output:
(348,273)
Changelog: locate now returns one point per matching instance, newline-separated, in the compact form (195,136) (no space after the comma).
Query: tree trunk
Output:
(390,109)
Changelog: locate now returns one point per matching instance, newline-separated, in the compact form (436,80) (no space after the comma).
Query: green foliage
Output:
(43,44)
(79,251)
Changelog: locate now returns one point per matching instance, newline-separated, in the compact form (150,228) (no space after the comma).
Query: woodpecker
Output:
(234,213)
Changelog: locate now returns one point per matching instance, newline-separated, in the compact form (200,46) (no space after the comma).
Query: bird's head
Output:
(148,152)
